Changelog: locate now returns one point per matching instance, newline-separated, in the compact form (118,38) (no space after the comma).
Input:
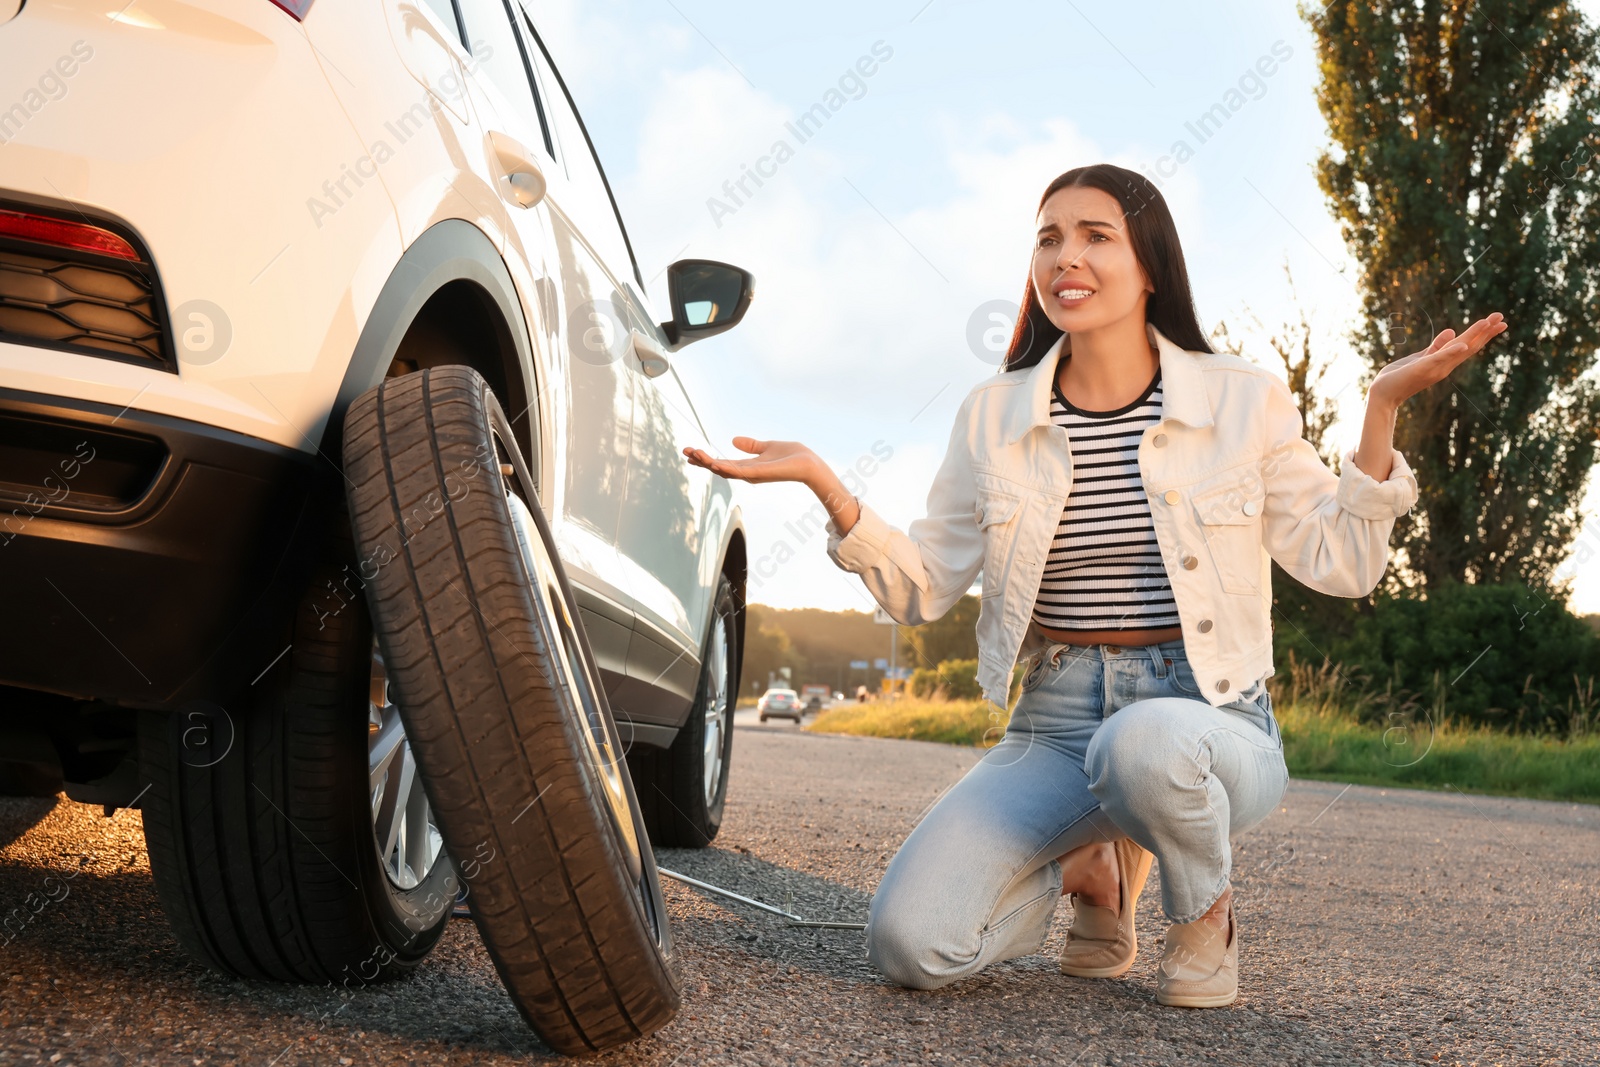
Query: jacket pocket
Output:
(998,501)
(1229,508)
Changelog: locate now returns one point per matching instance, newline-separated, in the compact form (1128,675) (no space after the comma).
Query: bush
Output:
(960,679)
(1502,655)
(953,679)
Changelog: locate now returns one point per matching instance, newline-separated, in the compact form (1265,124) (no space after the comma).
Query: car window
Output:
(594,207)
(500,55)
(447,15)
(545,90)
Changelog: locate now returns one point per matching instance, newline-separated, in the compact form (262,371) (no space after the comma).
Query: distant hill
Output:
(818,646)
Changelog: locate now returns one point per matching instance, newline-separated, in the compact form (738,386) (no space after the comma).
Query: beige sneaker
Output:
(1199,968)
(1102,942)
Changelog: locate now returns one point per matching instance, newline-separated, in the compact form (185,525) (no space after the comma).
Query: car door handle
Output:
(652,357)
(523,184)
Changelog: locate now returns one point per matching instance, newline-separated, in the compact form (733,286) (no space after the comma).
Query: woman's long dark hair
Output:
(1170,308)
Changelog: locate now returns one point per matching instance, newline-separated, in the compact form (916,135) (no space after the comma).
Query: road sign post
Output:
(881,616)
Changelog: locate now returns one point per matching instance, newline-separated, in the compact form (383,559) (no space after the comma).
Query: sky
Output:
(885,239)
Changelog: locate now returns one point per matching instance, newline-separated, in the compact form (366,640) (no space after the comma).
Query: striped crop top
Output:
(1105,570)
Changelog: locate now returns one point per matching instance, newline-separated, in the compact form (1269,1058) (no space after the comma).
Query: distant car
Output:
(779,704)
(815,697)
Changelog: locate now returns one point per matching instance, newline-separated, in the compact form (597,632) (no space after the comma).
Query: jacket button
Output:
(1222,686)
(980,516)
(1189,563)
(1159,440)
(1205,626)
(1251,507)
(1170,496)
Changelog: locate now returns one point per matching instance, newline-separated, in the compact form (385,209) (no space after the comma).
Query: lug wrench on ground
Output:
(794,920)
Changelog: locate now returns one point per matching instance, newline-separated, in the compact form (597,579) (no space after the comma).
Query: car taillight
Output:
(297,8)
(71,282)
(63,234)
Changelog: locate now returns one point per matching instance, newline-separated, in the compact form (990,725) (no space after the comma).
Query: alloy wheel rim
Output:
(716,710)
(601,745)
(404,833)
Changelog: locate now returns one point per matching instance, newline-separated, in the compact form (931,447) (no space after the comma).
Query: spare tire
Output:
(496,683)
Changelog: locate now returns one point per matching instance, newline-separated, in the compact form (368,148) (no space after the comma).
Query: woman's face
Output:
(1085,274)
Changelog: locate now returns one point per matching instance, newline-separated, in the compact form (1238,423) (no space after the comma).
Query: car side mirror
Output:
(707,298)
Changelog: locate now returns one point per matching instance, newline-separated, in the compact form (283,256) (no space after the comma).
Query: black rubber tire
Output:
(258,820)
(671,782)
(497,725)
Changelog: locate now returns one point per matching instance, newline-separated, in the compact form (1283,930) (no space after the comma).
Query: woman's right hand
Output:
(785,461)
(775,461)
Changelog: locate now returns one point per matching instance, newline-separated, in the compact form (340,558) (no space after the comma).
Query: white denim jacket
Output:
(1230,479)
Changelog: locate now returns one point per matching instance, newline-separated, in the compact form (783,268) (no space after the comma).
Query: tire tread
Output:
(465,651)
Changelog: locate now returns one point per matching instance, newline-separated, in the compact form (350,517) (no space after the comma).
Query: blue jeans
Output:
(1105,742)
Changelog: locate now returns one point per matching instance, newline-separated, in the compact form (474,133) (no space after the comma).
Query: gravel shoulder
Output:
(1377,926)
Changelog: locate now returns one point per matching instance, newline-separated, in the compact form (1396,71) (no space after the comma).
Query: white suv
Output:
(345,527)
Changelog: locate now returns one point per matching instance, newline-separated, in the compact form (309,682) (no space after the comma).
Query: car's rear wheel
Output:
(683,789)
(287,838)
(497,686)
(403,828)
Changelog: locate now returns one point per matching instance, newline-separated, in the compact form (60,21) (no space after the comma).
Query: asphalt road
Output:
(1376,927)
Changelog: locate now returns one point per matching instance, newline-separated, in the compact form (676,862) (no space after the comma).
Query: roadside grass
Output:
(1442,754)
(955,722)
(1319,741)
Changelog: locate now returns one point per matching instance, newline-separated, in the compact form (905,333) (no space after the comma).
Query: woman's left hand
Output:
(1397,382)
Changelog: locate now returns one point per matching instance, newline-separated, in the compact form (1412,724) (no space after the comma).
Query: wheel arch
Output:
(736,565)
(449,300)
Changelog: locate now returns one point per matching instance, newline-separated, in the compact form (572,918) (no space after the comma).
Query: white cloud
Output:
(851,307)
(852,331)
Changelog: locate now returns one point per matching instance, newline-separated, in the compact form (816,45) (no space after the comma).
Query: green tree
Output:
(1464,172)
(952,636)
(823,643)
(767,648)
(1305,374)
(1304,620)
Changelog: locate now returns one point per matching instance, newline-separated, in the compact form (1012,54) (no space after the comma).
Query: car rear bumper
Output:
(147,560)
